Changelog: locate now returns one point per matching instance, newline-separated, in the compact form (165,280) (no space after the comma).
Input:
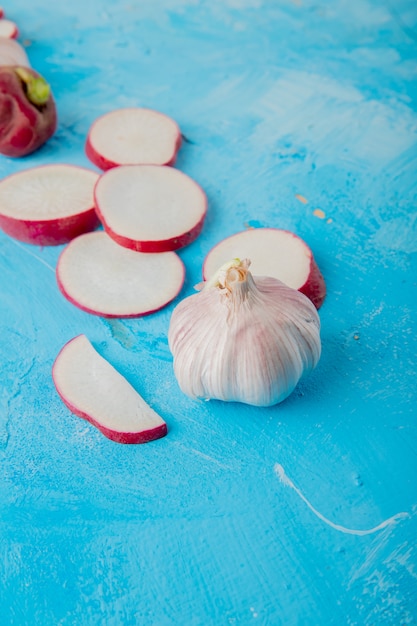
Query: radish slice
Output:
(8,29)
(49,204)
(12,53)
(273,252)
(150,208)
(133,136)
(94,390)
(101,277)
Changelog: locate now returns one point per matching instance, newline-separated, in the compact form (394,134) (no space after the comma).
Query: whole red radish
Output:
(28,116)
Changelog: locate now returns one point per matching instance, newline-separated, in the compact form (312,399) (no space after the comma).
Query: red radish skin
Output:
(48,205)
(273,252)
(143,437)
(50,232)
(133,136)
(164,245)
(314,287)
(12,53)
(24,125)
(150,208)
(150,435)
(105,164)
(100,277)
(8,29)
(77,365)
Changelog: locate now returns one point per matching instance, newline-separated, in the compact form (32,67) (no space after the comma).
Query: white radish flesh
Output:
(49,204)
(94,390)
(133,136)
(273,252)
(150,208)
(12,53)
(101,277)
(8,29)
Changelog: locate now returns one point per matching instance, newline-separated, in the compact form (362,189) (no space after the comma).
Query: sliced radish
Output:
(94,390)
(8,29)
(150,208)
(12,53)
(101,277)
(133,136)
(273,252)
(49,204)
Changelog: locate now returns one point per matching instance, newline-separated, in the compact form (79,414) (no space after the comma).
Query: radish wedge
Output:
(101,277)
(94,390)
(49,204)
(12,53)
(150,208)
(133,136)
(275,253)
(8,29)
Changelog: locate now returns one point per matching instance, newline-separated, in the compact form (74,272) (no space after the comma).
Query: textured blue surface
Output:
(240,515)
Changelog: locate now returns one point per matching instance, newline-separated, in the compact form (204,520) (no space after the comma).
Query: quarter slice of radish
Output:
(8,29)
(12,53)
(133,136)
(49,204)
(101,277)
(273,252)
(150,208)
(94,390)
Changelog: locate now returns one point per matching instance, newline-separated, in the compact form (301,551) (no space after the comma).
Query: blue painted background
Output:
(240,515)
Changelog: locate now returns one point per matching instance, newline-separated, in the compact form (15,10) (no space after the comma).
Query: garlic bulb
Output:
(243,338)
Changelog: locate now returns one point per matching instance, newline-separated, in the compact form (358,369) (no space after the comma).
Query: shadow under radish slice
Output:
(94,390)
(101,277)
(273,252)
(133,136)
(150,208)
(49,204)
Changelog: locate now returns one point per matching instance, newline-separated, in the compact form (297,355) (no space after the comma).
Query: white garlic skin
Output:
(249,340)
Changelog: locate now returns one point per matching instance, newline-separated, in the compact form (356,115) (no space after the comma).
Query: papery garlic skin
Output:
(243,338)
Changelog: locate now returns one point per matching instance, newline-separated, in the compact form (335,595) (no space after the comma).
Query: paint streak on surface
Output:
(319,213)
(301,198)
(280,472)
